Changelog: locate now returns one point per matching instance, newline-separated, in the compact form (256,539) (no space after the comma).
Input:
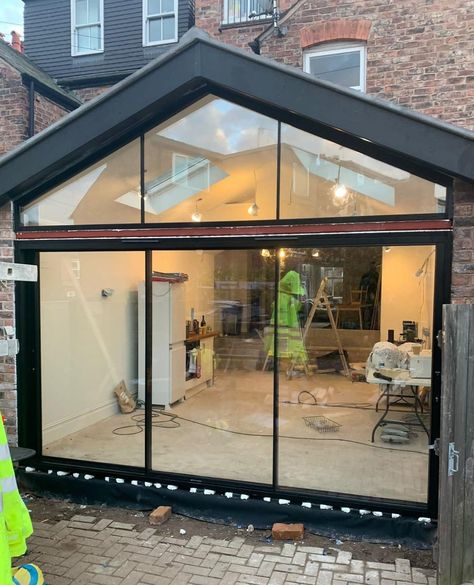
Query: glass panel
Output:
(105,193)
(168,27)
(213,403)
(94,11)
(155,30)
(154,6)
(230,153)
(89,355)
(168,6)
(335,307)
(95,42)
(340,68)
(81,12)
(320,178)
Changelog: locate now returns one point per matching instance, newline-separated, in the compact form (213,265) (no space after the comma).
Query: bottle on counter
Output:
(203,321)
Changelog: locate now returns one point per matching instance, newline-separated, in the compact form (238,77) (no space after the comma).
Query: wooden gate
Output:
(456,496)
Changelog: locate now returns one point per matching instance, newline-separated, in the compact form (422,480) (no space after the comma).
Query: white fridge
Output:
(169,351)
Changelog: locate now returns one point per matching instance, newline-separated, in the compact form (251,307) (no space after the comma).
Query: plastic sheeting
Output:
(236,511)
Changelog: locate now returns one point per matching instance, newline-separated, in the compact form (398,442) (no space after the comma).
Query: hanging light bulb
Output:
(196,216)
(253,209)
(282,253)
(265,253)
(340,190)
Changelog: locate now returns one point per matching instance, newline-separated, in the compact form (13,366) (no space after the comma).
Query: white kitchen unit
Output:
(169,351)
(206,351)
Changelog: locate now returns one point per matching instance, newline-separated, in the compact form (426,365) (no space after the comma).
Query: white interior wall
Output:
(405,296)
(88,342)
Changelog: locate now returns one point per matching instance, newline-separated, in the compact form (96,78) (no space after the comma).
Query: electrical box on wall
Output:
(24,272)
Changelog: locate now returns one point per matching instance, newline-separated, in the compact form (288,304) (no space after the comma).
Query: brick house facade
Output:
(420,55)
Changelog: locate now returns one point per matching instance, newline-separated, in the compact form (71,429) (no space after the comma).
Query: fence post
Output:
(456,497)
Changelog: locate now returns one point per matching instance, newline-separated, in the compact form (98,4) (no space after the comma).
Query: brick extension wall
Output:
(14,108)
(419,53)
(463,248)
(46,112)
(13,131)
(14,122)
(88,93)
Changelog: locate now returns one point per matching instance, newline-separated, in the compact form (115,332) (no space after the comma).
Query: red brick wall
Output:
(13,108)
(419,52)
(14,122)
(7,317)
(88,93)
(463,249)
(46,112)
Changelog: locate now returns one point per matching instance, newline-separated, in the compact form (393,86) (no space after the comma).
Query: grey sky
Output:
(11,17)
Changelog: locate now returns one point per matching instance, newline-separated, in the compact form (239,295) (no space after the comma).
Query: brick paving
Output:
(85,550)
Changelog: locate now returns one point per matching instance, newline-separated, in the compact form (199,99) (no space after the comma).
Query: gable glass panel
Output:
(98,195)
(320,178)
(215,161)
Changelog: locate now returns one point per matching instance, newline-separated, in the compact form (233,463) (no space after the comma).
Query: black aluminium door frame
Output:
(29,361)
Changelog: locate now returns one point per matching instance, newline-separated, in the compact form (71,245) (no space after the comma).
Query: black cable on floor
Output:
(140,424)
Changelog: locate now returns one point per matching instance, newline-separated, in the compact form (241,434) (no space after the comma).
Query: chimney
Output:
(16,42)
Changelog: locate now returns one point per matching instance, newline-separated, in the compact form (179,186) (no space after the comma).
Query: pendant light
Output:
(254,208)
(339,189)
(196,216)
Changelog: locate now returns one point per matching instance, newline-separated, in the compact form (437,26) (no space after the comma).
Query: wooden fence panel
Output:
(456,501)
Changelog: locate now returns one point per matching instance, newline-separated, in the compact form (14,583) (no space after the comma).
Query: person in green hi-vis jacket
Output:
(290,339)
(15,523)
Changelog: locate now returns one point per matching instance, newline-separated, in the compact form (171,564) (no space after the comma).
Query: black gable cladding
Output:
(199,65)
(48,39)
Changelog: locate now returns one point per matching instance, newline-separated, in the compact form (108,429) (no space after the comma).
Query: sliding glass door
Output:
(212,398)
(295,368)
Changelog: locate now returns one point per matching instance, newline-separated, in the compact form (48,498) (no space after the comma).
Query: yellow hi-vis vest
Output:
(15,522)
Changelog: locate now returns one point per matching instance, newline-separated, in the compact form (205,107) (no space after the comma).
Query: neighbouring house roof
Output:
(200,65)
(44,83)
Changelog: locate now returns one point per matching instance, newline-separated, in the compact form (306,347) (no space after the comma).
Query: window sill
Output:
(245,23)
(160,43)
(88,54)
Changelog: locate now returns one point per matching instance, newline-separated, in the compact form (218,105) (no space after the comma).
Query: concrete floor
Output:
(226,431)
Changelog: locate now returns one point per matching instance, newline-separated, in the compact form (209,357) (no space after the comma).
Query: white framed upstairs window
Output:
(237,11)
(160,22)
(87,27)
(340,63)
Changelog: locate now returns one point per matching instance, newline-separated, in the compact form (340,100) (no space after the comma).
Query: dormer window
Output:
(87,20)
(160,22)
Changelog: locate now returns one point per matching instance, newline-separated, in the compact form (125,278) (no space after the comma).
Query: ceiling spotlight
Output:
(196,216)
(253,209)
(265,253)
(315,253)
(387,248)
(282,253)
